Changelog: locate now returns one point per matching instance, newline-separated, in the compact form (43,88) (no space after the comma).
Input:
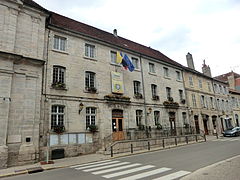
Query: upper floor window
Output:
(178,75)
(190,81)
(90,116)
(220,89)
(154,92)
(168,91)
(203,101)
(194,100)
(59,75)
(60,43)
(139,114)
(113,57)
(200,83)
(57,116)
(211,102)
(181,95)
(135,63)
(216,88)
(90,84)
(152,68)
(166,72)
(184,118)
(157,117)
(90,50)
(137,88)
(209,86)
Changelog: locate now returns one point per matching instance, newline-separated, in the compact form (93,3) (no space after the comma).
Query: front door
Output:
(117,125)
(205,122)
(172,123)
(197,124)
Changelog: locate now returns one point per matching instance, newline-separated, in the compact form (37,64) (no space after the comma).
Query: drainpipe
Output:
(144,97)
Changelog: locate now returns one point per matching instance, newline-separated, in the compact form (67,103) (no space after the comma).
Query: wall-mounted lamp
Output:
(80,107)
(149,110)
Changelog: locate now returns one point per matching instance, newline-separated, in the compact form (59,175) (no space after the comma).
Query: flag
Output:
(127,63)
(119,57)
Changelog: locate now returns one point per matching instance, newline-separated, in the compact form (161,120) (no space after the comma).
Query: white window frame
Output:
(200,84)
(136,87)
(178,75)
(152,68)
(139,116)
(59,43)
(190,80)
(90,79)
(113,56)
(90,51)
(156,117)
(91,114)
(58,74)
(58,115)
(135,62)
(166,72)
(154,90)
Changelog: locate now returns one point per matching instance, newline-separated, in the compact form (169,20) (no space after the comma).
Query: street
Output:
(165,164)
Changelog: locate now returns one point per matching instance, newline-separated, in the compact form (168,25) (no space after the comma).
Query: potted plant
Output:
(59,129)
(155,97)
(93,128)
(91,89)
(159,126)
(138,95)
(59,85)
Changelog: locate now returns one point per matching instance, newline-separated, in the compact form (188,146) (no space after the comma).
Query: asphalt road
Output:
(164,164)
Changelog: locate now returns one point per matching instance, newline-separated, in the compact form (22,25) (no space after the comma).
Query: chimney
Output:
(115,32)
(206,69)
(190,61)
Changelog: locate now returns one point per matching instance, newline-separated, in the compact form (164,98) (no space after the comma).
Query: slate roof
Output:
(90,31)
(35,5)
(224,77)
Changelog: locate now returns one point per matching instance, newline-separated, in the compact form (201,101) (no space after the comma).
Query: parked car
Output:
(232,132)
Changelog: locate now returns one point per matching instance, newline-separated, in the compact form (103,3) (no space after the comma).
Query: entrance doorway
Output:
(172,123)
(236,117)
(117,125)
(205,123)
(196,124)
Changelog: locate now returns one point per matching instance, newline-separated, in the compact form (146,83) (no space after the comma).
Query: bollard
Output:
(131,148)
(111,151)
(175,141)
(163,143)
(196,138)
(187,139)
(217,135)
(148,145)
(205,138)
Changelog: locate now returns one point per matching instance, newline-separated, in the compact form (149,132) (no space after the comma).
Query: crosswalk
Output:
(115,169)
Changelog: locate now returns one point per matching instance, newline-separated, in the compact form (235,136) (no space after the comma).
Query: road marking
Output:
(105,167)
(96,165)
(234,140)
(128,171)
(115,169)
(146,174)
(88,164)
(173,175)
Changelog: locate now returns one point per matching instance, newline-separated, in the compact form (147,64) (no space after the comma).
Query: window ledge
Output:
(138,70)
(166,77)
(59,51)
(179,80)
(90,92)
(115,64)
(154,74)
(89,58)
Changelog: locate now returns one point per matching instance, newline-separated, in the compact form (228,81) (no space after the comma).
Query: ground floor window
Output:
(57,116)
(90,116)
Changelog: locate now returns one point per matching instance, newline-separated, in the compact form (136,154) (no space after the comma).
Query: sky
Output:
(208,29)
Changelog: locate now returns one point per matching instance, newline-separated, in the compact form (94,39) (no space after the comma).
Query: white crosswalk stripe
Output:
(116,169)
(173,175)
(96,165)
(105,167)
(127,171)
(224,140)
(146,174)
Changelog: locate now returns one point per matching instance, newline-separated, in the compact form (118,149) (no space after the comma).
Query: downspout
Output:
(144,97)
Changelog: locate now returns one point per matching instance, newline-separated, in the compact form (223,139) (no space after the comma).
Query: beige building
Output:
(22,29)
(85,87)
(204,98)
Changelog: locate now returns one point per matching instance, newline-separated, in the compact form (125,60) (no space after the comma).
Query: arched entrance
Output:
(172,121)
(196,124)
(205,123)
(117,124)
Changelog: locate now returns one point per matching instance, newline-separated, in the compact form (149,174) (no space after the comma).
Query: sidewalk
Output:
(227,169)
(65,162)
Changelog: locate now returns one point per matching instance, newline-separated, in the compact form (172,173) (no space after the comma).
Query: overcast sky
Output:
(208,29)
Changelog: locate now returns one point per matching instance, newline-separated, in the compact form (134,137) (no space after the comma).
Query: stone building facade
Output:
(84,86)
(22,29)
(205,101)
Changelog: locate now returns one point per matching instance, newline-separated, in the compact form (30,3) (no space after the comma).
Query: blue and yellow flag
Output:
(119,57)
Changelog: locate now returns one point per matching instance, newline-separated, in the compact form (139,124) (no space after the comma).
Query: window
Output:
(184,117)
(216,88)
(136,86)
(209,86)
(220,89)
(57,116)
(168,91)
(89,80)
(90,116)
(194,100)
(211,101)
(60,43)
(58,74)
(135,63)
(157,117)
(154,90)
(113,57)
(203,101)
(181,94)
(151,68)
(190,81)
(178,75)
(218,104)
(200,83)
(139,117)
(166,72)
(90,50)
